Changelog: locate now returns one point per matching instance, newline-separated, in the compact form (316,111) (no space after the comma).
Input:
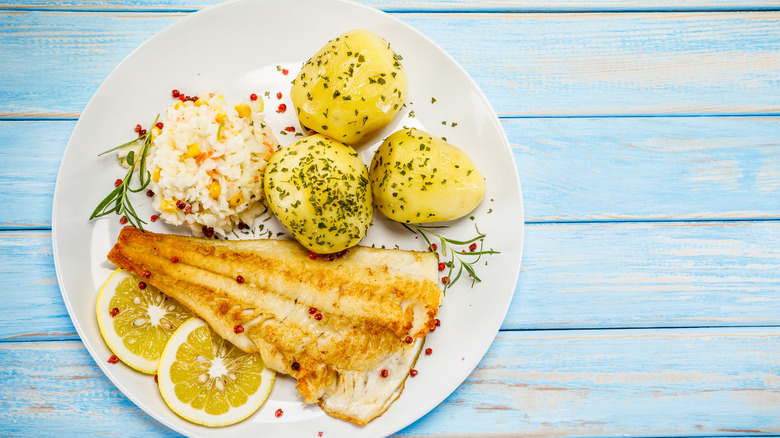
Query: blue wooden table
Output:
(647,138)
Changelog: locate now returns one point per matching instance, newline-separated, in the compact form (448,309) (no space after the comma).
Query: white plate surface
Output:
(239,47)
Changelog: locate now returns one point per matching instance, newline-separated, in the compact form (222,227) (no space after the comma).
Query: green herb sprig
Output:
(118,201)
(463,260)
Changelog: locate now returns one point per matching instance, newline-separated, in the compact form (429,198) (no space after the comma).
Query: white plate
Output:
(237,47)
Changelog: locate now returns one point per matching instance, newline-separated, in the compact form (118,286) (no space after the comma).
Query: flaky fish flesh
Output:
(349,330)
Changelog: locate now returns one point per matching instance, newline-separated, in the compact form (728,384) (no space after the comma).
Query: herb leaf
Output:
(118,200)
(452,259)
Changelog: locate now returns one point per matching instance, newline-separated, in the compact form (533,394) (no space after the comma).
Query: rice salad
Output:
(207,163)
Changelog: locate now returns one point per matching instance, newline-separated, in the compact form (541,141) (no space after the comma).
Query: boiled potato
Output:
(319,190)
(351,88)
(417,178)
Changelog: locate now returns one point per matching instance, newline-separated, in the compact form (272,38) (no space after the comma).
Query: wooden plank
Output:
(618,64)
(66,394)
(568,383)
(434,5)
(527,64)
(676,168)
(648,275)
(30,157)
(572,276)
(33,308)
(617,383)
(626,168)
(54,62)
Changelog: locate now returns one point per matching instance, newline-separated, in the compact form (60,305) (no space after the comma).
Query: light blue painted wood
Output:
(617,64)
(527,64)
(56,389)
(648,168)
(617,383)
(624,169)
(573,5)
(32,308)
(62,58)
(648,275)
(29,161)
(572,383)
(573,276)
(434,5)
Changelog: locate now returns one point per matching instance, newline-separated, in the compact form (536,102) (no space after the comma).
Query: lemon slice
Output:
(207,380)
(136,319)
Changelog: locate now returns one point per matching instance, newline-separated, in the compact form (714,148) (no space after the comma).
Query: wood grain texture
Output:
(56,389)
(433,5)
(678,168)
(542,384)
(31,154)
(32,308)
(653,168)
(54,62)
(616,383)
(527,64)
(648,275)
(573,276)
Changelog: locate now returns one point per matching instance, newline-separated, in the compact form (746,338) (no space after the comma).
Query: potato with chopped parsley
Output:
(353,87)
(417,177)
(319,190)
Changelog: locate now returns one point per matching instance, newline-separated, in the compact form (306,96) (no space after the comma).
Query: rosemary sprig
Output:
(118,201)
(463,260)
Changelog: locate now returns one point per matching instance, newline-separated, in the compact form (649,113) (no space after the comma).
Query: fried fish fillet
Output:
(334,326)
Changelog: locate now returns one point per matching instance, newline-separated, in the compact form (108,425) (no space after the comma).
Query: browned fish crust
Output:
(333,325)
